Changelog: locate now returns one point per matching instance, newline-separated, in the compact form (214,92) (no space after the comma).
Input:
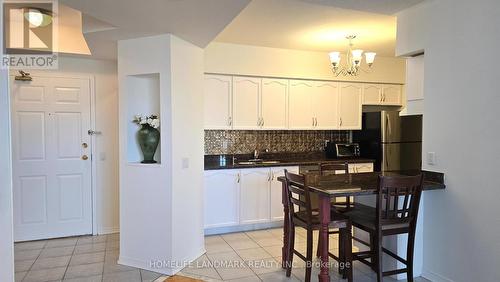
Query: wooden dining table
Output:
(327,187)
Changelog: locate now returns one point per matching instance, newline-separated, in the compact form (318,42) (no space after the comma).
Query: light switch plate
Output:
(185,163)
(431,158)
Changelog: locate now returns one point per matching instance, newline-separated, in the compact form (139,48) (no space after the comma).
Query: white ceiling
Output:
(316,25)
(196,21)
(388,7)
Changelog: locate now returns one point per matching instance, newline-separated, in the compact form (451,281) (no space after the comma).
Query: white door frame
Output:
(93,164)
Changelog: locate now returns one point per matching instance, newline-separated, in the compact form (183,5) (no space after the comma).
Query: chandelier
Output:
(354,57)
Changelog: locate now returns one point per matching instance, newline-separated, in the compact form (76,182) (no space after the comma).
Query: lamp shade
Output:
(370,57)
(357,54)
(334,57)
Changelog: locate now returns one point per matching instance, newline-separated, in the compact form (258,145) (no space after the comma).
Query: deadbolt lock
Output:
(85,157)
(84,145)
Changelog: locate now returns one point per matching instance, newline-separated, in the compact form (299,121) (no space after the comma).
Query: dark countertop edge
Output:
(289,163)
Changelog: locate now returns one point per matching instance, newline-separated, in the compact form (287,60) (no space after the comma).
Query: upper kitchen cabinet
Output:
(350,106)
(382,95)
(372,94)
(325,105)
(391,95)
(300,114)
(246,103)
(217,102)
(313,105)
(274,104)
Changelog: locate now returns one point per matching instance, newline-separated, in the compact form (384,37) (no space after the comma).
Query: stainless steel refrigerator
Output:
(394,142)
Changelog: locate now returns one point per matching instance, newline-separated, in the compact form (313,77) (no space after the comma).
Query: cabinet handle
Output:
(272,175)
(262,123)
(238,178)
(316,121)
(230,121)
(269,177)
(258,122)
(313,121)
(340,121)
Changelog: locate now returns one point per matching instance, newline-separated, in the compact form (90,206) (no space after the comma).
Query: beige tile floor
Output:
(245,256)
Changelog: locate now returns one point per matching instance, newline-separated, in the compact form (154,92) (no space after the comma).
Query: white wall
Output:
(263,61)
(461,125)
(106,112)
(187,145)
(6,228)
(161,205)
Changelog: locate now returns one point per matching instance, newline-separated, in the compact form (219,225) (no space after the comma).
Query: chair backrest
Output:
(325,168)
(398,199)
(298,194)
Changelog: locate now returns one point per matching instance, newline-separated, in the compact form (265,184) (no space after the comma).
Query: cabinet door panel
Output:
(276,191)
(372,94)
(325,105)
(274,103)
(392,95)
(221,187)
(350,106)
(254,196)
(246,102)
(300,105)
(217,101)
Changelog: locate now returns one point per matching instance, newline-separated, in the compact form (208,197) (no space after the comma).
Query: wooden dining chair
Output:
(343,204)
(298,195)
(396,211)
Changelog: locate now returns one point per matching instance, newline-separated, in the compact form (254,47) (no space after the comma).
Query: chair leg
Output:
(409,256)
(348,253)
(379,251)
(291,246)
(318,252)
(341,250)
(373,250)
(309,251)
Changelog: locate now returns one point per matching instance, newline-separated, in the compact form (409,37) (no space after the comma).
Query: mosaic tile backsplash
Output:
(277,141)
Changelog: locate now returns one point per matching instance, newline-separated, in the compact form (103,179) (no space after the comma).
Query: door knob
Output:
(85,145)
(85,157)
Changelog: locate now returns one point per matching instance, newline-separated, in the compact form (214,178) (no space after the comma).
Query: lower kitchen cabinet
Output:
(360,167)
(236,197)
(254,195)
(276,191)
(222,197)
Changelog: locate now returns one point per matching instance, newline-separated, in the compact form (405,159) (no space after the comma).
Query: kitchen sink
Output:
(270,162)
(255,161)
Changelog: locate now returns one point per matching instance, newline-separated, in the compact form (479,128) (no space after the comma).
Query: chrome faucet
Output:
(256,154)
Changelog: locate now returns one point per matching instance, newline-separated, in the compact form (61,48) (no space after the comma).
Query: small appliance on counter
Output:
(341,150)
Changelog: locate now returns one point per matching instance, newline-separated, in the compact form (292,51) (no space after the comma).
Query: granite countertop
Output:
(339,185)
(213,162)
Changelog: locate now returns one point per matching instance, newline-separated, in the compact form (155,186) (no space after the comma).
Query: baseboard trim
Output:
(108,230)
(163,270)
(241,228)
(434,277)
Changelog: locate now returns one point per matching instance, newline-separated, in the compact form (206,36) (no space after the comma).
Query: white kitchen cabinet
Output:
(222,198)
(350,110)
(217,102)
(274,104)
(360,167)
(300,114)
(276,191)
(246,102)
(325,105)
(254,196)
(391,95)
(372,94)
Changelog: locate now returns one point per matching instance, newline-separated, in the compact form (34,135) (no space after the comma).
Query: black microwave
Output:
(341,150)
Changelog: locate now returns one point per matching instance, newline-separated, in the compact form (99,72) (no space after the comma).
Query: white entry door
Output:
(51,157)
